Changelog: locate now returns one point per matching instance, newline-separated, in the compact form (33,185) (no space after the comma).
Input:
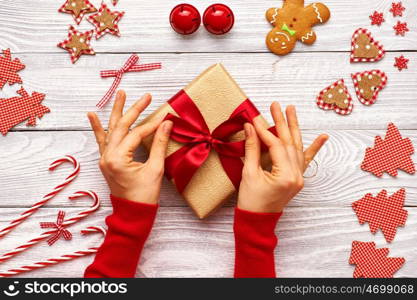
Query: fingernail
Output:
(277,104)
(167,126)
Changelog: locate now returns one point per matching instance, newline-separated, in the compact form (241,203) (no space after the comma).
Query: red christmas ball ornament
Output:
(185,19)
(218,19)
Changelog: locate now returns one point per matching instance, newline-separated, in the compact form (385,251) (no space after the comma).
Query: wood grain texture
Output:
(339,181)
(36,26)
(72,90)
(182,246)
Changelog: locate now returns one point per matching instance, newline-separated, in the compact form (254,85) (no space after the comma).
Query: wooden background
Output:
(318,226)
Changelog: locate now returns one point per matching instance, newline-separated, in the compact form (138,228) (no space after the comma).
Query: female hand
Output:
(264,191)
(128,179)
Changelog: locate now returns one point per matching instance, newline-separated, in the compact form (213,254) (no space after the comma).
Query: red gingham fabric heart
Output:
(336,89)
(372,262)
(368,75)
(18,109)
(390,154)
(101,27)
(354,45)
(9,69)
(382,212)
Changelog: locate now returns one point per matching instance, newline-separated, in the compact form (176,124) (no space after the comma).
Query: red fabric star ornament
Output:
(9,69)
(77,8)
(401,28)
(372,262)
(397,9)
(382,212)
(77,43)
(15,110)
(401,62)
(106,21)
(390,154)
(115,2)
(377,18)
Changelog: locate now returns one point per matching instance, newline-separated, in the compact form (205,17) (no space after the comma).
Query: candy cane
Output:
(48,196)
(57,260)
(65,224)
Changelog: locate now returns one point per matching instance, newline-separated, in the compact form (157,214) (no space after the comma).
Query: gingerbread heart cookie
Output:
(294,22)
(336,97)
(368,84)
(365,48)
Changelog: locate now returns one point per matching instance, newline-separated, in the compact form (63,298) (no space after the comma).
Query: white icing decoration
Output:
(307,36)
(356,46)
(330,96)
(368,47)
(284,34)
(370,76)
(317,12)
(346,101)
(340,91)
(274,16)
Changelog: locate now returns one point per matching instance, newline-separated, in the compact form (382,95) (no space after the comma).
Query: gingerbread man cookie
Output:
(294,22)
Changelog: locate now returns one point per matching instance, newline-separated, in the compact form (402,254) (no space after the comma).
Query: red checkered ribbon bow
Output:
(60,229)
(129,66)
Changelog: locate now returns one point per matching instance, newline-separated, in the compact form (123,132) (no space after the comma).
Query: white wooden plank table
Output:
(317,229)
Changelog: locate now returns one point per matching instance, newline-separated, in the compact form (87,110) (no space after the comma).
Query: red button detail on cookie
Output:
(185,19)
(218,19)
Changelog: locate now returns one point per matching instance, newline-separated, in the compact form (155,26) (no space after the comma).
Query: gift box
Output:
(205,153)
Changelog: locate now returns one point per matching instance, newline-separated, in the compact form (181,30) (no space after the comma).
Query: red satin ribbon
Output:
(191,130)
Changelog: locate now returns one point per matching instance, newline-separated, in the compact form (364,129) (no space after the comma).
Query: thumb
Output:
(252,149)
(159,146)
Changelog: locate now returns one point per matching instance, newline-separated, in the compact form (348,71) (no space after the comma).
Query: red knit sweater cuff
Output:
(128,228)
(132,218)
(255,242)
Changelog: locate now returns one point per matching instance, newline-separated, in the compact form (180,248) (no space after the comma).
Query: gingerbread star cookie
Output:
(77,43)
(293,22)
(106,21)
(365,48)
(78,8)
(336,97)
(368,84)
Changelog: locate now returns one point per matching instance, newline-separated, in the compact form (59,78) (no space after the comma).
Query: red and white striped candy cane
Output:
(48,196)
(65,224)
(57,260)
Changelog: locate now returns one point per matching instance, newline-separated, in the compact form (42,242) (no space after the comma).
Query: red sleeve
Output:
(128,228)
(255,242)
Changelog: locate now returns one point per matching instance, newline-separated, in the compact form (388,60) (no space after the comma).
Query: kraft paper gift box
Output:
(216,95)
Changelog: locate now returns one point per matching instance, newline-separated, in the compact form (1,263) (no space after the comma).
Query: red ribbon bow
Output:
(129,66)
(60,229)
(191,130)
